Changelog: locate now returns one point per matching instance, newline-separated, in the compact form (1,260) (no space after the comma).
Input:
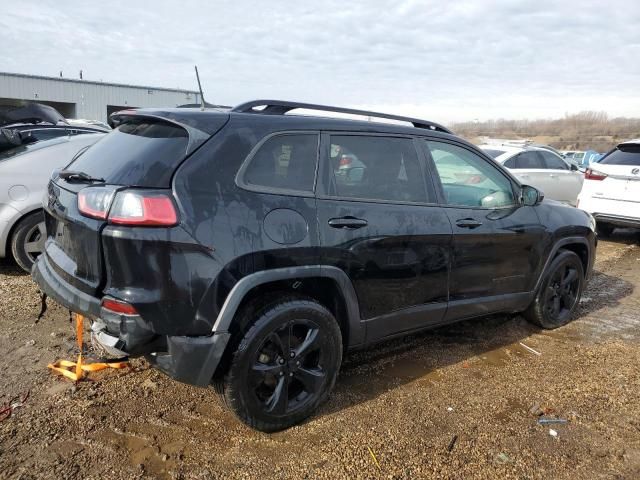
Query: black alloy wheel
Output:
(559,292)
(562,291)
(288,369)
(283,365)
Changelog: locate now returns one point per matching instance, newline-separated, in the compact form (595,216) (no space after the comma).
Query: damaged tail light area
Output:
(591,174)
(128,207)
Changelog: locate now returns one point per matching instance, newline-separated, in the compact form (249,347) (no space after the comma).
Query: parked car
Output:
(611,190)
(583,158)
(556,177)
(24,173)
(225,247)
(36,121)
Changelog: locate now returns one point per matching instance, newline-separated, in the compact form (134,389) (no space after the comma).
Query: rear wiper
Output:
(75,176)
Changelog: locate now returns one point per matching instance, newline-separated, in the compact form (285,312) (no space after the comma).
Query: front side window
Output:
(469,180)
(376,168)
(554,162)
(286,161)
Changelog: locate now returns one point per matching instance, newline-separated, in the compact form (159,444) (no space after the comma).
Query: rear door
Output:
(142,153)
(380,224)
(566,183)
(496,240)
(529,168)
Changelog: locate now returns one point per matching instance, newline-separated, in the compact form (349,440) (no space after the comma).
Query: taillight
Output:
(345,161)
(138,208)
(128,207)
(118,306)
(591,174)
(94,202)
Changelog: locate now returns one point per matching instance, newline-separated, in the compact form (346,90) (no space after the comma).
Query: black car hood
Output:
(31,113)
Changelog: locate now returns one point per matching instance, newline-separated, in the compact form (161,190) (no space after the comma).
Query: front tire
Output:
(559,292)
(285,365)
(27,241)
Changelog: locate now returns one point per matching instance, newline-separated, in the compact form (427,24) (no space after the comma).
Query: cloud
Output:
(454,60)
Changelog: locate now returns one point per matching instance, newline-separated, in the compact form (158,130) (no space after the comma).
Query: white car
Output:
(611,190)
(539,167)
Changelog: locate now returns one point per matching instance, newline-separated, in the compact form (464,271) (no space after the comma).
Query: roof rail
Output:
(279,107)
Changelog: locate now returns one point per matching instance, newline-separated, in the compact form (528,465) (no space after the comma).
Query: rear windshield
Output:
(141,152)
(623,155)
(493,152)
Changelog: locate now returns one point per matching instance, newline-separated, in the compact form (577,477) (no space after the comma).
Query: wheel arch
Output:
(328,285)
(578,245)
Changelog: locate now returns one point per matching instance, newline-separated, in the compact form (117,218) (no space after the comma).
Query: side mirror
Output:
(531,196)
(574,167)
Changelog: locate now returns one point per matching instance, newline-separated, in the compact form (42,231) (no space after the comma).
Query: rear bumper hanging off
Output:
(191,360)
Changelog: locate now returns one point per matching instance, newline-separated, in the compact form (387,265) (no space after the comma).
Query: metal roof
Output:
(93,82)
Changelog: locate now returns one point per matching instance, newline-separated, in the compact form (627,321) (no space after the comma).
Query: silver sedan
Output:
(24,175)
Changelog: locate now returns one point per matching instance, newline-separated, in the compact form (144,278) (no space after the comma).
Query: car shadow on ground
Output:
(10,268)
(491,340)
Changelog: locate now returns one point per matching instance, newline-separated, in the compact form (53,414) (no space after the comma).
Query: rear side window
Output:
(376,168)
(141,153)
(623,155)
(554,162)
(284,162)
(529,160)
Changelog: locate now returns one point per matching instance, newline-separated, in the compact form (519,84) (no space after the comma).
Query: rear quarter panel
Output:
(229,221)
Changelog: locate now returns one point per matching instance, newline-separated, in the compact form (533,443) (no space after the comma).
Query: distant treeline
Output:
(581,131)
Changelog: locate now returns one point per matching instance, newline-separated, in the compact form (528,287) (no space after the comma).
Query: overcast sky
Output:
(443,60)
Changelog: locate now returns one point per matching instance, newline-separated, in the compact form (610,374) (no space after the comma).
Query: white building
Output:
(75,98)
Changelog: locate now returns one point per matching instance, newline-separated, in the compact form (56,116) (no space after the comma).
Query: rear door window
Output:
(376,168)
(529,160)
(553,162)
(283,162)
(142,152)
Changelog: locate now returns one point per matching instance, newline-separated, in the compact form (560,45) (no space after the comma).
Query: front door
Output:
(496,240)
(379,223)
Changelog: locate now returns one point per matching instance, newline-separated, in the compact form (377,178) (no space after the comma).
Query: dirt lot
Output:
(405,400)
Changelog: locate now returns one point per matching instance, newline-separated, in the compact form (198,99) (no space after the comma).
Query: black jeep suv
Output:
(248,248)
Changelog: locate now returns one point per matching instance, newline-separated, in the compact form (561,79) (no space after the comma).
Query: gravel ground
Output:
(405,401)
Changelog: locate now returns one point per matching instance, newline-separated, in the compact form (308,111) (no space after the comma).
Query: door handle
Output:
(468,223)
(553,175)
(350,223)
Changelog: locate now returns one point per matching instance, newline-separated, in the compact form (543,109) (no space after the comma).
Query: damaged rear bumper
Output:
(191,360)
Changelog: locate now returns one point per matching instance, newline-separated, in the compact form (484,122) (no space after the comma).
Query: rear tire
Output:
(27,241)
(559,292)
(604,229)
(284,366)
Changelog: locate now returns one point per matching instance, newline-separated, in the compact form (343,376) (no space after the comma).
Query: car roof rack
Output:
(279,107)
